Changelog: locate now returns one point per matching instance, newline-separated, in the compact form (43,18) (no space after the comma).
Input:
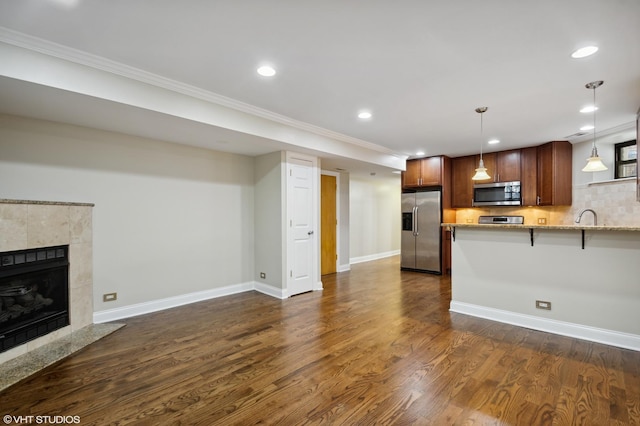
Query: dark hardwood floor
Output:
(376,346)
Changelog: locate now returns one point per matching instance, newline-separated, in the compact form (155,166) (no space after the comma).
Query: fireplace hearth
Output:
(34,294)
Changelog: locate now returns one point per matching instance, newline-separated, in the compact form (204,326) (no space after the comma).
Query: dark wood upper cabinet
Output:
(424,172)
(554,174)
(502,166)
(411,176)
(431,171)
(462,170)
(508,165)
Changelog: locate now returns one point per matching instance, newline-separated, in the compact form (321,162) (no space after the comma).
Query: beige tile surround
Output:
(32,224)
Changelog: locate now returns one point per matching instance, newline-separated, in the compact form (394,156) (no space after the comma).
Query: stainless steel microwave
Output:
(497,194)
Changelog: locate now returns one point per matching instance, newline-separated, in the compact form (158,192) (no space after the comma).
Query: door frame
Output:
(315,211)
(339,224)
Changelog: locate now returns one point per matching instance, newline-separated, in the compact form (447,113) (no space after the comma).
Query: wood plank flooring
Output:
(376,346)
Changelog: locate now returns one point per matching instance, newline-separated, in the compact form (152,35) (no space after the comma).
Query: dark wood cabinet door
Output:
(545,175)
(462,170)
(431,171)
(502,166)
(508,166)
(555,174)
(529,176)
(411,177)
(490,164)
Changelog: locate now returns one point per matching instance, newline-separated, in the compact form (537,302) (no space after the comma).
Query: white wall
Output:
(344,225)
(168,219)
(269,217)
(374,217)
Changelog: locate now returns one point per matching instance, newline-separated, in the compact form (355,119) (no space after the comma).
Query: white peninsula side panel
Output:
(594,292)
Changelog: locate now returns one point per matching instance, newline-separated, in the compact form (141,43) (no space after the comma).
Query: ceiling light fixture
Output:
(364,115)
(493,141)
(583,52)
(420,153)
(594,163)
(588,109)
(481,171)
(587,127)
(266,71)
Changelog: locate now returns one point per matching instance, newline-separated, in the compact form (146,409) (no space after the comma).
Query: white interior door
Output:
(302,235)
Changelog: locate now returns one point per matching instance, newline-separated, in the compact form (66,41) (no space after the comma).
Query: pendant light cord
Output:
(594,150)
(481,133)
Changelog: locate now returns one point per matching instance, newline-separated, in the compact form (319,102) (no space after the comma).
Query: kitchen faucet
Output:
(595,216)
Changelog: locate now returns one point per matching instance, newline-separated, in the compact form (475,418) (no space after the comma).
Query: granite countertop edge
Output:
(549,227)
(46,203)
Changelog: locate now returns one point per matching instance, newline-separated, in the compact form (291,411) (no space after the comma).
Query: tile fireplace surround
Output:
(34,224)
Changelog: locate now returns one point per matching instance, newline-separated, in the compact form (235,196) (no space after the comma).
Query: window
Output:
(626,159)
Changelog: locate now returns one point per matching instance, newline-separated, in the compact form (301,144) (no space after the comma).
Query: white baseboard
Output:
(269,290)
(593,334)
(344,268)
(184,299)
(371,257)
(170,302)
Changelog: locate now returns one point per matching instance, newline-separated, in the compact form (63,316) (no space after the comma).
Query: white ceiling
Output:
(421,67)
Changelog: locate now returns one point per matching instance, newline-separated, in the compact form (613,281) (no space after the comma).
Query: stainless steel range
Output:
(501,220)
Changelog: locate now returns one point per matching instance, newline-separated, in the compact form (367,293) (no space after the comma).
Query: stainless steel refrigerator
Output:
(421,234)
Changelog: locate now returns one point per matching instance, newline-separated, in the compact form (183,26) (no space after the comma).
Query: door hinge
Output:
(291,273)
(290,172)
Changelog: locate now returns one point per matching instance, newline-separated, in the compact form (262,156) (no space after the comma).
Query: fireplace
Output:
(34,294)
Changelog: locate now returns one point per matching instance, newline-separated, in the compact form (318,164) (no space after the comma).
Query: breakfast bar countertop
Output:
(576,227)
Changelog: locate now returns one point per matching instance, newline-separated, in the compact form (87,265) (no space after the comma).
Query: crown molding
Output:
(80,57)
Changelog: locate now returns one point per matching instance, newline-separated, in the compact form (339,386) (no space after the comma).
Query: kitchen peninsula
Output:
(589,277)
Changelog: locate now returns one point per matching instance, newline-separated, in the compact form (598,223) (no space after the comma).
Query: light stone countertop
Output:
(543,227)
(48,203)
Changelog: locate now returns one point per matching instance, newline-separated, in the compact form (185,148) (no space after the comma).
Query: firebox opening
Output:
(34,294)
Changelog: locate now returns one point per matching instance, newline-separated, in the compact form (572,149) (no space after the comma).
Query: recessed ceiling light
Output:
(583,52)
(588,109)
(364,115)
(397,172)
(420,153)
(266,71)
(493,141)
(587,127)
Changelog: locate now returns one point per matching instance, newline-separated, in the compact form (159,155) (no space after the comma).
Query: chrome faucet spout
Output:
(595,216)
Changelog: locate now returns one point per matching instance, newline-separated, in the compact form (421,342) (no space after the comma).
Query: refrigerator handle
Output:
(415,221)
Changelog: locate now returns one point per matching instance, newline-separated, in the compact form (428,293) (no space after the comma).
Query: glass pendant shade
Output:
(481,172)
(594,163)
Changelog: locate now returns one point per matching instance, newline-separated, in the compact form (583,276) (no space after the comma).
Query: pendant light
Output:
(594,163)
(481,171)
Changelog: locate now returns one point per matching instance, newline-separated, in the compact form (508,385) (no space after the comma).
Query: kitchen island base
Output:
(593,293)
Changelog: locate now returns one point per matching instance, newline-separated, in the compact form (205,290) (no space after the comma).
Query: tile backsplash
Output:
(614,201)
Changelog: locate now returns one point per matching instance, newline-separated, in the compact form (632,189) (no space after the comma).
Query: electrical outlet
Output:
(263,275)
(469,220)
(540,304)
(109,297)
(542,221)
